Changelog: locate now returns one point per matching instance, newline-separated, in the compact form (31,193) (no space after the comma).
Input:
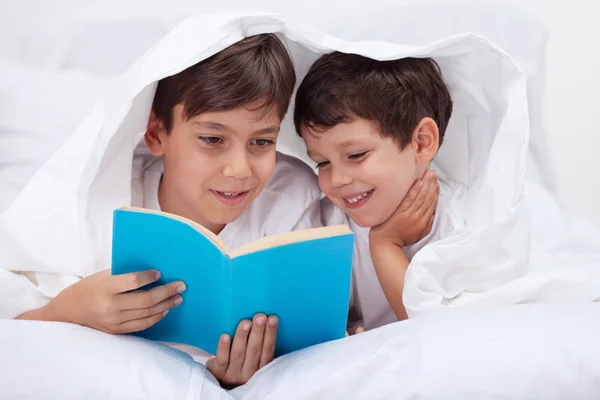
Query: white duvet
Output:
(518,352)
(518,245)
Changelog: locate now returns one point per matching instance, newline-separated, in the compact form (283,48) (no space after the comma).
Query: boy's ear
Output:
(155,135)
(426,140)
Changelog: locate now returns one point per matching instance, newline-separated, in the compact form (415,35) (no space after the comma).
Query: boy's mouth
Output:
(230,198)
(357,199)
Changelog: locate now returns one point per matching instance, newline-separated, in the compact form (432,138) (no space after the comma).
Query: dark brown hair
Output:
(396,94)
(255,68)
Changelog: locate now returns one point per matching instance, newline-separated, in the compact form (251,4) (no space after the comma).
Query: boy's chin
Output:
(367,221)
(224,218)
(222,215)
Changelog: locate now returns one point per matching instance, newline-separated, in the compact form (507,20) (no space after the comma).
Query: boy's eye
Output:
(357,156)
(322,164)
(211,140)
(262,142)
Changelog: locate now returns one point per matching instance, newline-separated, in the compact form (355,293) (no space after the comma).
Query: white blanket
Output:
(519,246)
(518,352)
(516,247)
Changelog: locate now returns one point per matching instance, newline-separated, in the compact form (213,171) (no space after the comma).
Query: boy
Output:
(211,134)
(373,127)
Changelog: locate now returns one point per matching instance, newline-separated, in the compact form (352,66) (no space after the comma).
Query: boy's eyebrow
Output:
(217,126)
(269,129)
(346,143)
(211,125)
(343,145)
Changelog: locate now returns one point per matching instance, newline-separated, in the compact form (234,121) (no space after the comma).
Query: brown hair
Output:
(255,68)
(396,94)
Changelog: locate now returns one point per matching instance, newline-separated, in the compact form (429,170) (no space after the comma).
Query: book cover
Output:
(303,277)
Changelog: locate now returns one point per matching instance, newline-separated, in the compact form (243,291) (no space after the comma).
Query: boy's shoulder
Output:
(449,215)
(293,180)
(452,203)
(452,189)
(289,201)
(333,215)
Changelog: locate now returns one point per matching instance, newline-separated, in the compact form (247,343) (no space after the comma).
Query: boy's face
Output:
(363,173)
(216,163)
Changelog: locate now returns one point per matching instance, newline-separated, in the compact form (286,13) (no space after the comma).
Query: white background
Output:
(572,100)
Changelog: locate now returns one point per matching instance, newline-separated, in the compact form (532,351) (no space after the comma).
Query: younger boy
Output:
(212,135)
(373,128)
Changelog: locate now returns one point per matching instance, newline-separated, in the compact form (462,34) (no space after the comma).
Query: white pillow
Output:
(38,111)
(517,352)
(511,352)
(48,360)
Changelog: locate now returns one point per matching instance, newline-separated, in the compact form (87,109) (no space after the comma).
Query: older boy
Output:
(212,135)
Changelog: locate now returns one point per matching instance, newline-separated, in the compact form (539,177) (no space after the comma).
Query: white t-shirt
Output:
(289,201)
(369,306)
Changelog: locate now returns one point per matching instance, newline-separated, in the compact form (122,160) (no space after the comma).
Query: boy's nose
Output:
(339,178)
(238,167)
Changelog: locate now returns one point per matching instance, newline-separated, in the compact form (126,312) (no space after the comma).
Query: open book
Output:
(303,277)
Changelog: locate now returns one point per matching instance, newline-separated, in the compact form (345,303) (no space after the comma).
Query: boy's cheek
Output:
(267,168)
(324,183)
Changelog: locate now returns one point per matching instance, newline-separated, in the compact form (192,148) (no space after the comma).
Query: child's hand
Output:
(413,218)
(358,330)
(113,303)
(253,347)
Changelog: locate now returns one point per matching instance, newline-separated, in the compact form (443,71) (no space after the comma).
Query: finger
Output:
(217,365)
(135,280)
(411,196)
(167,304)
(359,330)
(255,344)
(148,298)
(431,195)
(238,348)
(432,202)
(212,367)
(140,324)
(428,226)
(429,215)
(269,342)
(423,194)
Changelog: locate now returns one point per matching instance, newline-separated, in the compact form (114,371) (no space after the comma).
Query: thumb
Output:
(211,363)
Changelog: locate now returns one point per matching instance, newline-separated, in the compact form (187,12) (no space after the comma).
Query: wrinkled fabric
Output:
(515,245)
(522,352)
(503,255)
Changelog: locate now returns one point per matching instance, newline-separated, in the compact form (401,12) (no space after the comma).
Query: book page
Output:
(206,232)
(290,237)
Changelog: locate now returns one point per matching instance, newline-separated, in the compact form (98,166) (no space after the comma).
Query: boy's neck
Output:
(170,205)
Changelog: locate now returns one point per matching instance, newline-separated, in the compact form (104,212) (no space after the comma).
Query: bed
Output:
(474,337)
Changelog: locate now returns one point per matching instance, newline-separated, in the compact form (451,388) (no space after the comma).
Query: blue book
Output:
(302,277)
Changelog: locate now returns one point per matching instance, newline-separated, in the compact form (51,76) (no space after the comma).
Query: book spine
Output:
(228,293)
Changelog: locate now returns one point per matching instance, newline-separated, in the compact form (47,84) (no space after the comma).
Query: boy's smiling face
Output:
(362,172)
(216,163)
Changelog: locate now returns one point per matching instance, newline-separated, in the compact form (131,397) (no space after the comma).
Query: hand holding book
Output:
(112,303)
